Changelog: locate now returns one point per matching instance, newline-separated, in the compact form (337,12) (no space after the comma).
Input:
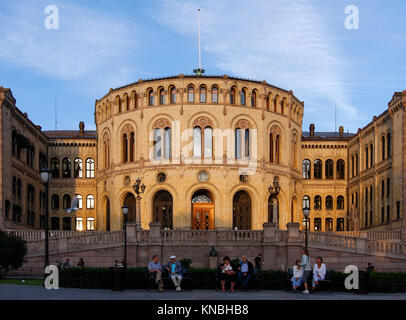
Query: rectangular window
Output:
(304,223)
(66,223)
(90,202)
(79,224)
(317,224)
(370,218)
(54,223)
(383,215)
(397,209)
(329,224)
(90,224)
(388,214)
(340,224)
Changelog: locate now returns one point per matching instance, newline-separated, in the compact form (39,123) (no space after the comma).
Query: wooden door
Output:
(203,216)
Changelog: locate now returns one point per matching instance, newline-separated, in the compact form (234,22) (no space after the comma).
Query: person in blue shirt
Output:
(155,270)
(175,271)
(245,271)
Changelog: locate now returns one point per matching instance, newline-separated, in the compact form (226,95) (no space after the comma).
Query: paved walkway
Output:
(20,292)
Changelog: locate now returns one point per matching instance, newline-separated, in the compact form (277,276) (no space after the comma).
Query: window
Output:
(167,143)
(383,189)
(306,223)
(243,97)
(317,169)
(55,202)
(66,223)
(254,98)
(388,145)
(90,202)
(329,224)
(277,149)
(89,168)
(356,164)
(317,224)
(203,94)
(340,224)
(197,142)
(317,203)
(306,202)
(150,97)
(55,167)
(80,201)
(352,166)
(191,94)
(157,143)
(66,168)
(329,169)
(78,168)
(232,95)
(329,203)
(161,96)
(90,224)
(383,148)
(238,143)
(55,223)
(306,169)
(340,169)
(383,215)
(340,203)
(173,94)
(79,224)
(371,155)
(271,155)
(208,142)
(66,201)
(247,143)
(366,158)
(124,148)
(397,209)
(214,95)
(388,214)
(388,188)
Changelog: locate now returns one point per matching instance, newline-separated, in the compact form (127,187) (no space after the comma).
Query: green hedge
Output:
(204,278)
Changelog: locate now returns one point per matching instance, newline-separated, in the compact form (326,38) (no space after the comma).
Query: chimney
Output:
(311,128)
(341,131)
(81,127)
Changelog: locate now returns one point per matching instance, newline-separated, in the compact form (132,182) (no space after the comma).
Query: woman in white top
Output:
(319,272)
(297,275)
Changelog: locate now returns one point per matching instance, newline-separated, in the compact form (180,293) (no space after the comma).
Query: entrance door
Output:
(203,216)
(242,211)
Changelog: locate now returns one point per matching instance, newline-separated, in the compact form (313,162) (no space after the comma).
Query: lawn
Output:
(25,282)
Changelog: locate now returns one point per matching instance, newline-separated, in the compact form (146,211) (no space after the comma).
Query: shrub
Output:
(12,251)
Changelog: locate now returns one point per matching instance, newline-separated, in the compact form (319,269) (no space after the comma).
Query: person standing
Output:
(155,271)
(307,269)
(258,264)
(175,271)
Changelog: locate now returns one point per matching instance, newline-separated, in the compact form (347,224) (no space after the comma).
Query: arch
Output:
(118,103)
(130,202)
(340,169)
(243,96)
(191,93)
(306,164)
(215,94)
(90,167)
(203,93)
(317,203)
(66,168)
(106,150)
(150,97)
(254,98)
(388,145)
(283,105)
(54,202)
(329,169)
(276,103)
(67,201)
(317,169)
(294,210)
(161,95)
(383,148)
(242,210)
(55,167)
(202,202)
(329,203)
(172,94)
(273,201)
(126,102)
(163,209)
(233,95)
(340,202)
(134,98)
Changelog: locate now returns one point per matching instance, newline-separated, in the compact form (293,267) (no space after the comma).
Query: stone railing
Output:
(183,236)
(94,240)
(329,240)
(383,247)
(32,235)
(392,235)
(239,236)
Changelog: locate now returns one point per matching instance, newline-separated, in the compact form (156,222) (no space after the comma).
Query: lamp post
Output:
(138,189)
(46,177)
(274,191)
(306,212)
(125,210)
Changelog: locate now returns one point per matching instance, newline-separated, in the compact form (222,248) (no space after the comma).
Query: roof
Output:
(326,136)
(70,134)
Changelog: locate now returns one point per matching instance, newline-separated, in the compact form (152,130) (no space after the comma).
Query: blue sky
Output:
(300,45)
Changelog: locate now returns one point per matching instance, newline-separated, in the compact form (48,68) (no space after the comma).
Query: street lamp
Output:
(125,210)
(274,191)
(138,189)
(46,177)
(306,213)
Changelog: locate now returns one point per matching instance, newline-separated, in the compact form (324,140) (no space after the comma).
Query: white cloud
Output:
(89,46)
(284,42)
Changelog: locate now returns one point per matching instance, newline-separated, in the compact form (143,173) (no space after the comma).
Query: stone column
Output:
(155,241)
(269,248)
(293,232)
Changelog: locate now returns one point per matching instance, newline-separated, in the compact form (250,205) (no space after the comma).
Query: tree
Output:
(12,251)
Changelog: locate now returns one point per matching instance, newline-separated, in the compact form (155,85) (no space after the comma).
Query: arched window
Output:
(89,168)
(340,173)
(172,92)
(124,148)
(157,143)
(78,168)
(232,95)
(275,103)
(352,166)
(271,148)
(208,142)
(66,201)
(132,141)
(135,99)
(80,201)
(55,202)
(383,189)
(243,97)
(388,188)
(161,96)
(118,102)
(383,148)
(340,203)
(238,143)
(306,202)
(388,145)
(55,167)
(106,151)
(150,95)
(371,155)
(329,203)
(366,158)
(167,143)
(317,169)
(191,94)
(356,164)
(66,168)
(306,169)
(254,98)
(283,105)
(247,143)
(329,169)
(214,94)
(203,94)
(197,142)
(90,202)
(317,203)
(127,102)
(277,148)
(268,101)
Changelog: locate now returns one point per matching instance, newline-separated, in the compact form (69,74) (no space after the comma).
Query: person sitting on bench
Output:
(245,271)
(175,271)
(297,275)
(319,272)
(155,270)
(227,274)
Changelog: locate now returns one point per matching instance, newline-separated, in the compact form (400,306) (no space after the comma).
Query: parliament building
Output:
(201,153)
